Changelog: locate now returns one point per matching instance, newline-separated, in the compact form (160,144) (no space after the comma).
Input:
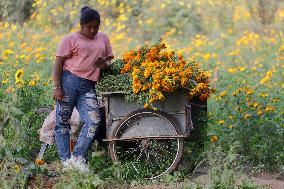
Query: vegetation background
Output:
(240,42)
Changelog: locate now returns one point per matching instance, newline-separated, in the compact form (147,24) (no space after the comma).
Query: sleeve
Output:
(64,48)
(108,48)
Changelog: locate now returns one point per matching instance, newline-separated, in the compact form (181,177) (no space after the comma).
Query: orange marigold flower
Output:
(39,161)
(249,92)
(203,97)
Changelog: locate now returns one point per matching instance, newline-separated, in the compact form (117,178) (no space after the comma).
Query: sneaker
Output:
(67,165)
(79,163)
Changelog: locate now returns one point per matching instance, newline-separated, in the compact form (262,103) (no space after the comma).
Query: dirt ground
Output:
(264,179)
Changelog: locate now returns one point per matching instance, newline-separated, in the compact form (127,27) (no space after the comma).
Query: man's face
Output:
(90,29)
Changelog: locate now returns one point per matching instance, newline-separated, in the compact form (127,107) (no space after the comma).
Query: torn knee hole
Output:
(64,120)
(64,108)
(91,94)
(65,130)
(92,131)
(92,103)
(94,116)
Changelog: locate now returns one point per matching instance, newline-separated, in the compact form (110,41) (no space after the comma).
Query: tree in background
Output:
(15,10)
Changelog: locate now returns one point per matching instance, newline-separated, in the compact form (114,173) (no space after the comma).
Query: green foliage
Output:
(9,125)
(258,134)
(113,81)
(74,179)
(29,99)
(11,175)
(225,169)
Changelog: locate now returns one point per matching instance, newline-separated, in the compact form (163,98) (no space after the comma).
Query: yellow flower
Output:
(255,104)
(32,83)
(236,92)
(45,84)
(275,100)
(269,108)
(259,112)
(266,78)
(247,116)
(146,105)
(19,83)
(214,138)
(232,70)
(19,74)
(223,93)
(230,126)
(249,92)
(263,95)
(242,69)
(221,121)
(17,168)
(206,57)
(5,81)
(230,117)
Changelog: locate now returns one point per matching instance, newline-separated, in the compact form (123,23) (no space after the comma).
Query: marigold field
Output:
(239,43)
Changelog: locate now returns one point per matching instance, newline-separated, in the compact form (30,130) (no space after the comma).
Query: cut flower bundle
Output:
(148,74)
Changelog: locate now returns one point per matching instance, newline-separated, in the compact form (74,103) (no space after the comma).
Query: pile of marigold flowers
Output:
(153,71)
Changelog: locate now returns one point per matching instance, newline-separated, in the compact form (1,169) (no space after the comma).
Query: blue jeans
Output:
(79,93)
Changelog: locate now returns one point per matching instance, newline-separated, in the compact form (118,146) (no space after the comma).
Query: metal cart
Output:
(149,141)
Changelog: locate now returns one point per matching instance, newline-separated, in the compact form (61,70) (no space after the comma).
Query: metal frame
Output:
(109,119)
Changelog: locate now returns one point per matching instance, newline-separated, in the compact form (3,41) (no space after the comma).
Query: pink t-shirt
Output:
(82,53)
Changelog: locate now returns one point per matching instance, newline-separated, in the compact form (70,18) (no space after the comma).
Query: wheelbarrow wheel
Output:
(149,154)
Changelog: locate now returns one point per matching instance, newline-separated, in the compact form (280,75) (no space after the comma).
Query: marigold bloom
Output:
(249,92)
(39,162)
(32,83)
(155,71)
(214,138)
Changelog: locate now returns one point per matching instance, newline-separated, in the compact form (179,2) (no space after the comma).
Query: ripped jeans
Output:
(79,93)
